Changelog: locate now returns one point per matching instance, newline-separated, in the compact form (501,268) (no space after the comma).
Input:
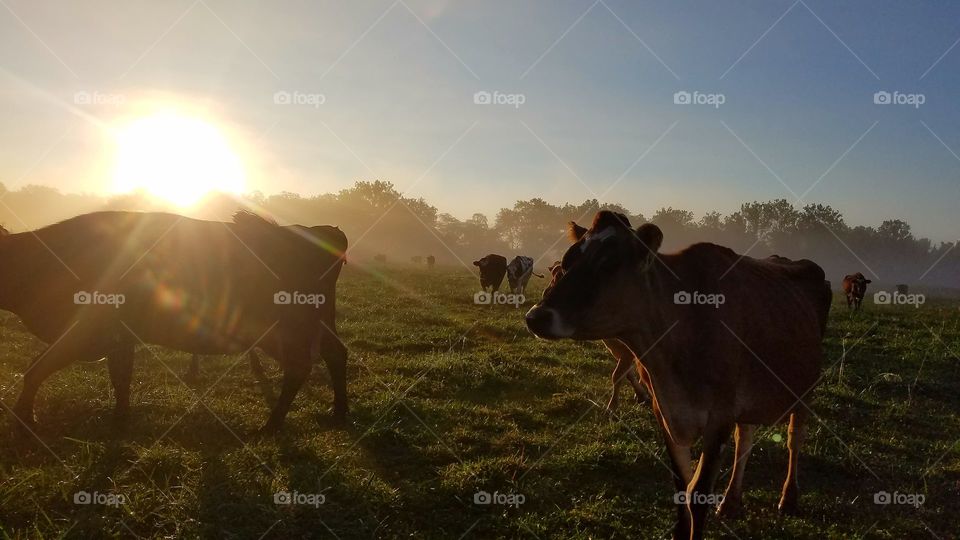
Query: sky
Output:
(313,96)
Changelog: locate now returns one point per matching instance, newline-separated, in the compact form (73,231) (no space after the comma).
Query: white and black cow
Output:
(518,273)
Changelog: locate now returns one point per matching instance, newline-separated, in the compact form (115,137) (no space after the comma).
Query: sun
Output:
(177,158)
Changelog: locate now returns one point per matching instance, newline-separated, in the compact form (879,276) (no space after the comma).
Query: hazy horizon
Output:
(387,90)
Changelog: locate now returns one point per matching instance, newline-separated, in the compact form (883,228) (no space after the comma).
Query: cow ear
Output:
(476,263)
(868,281)
(575,232)
(651,236)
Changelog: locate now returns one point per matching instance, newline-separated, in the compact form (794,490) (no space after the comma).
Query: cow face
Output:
(596,279)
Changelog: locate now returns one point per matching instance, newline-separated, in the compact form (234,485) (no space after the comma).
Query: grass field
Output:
(449,399)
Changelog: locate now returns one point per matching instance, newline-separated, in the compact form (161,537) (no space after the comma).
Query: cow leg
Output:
(732,505)
(680,467)
(296,368)
(624,357)
(796,433)
(256,366)
(120,365)
(701,485)
(53,359)
(334,354)
(639,390)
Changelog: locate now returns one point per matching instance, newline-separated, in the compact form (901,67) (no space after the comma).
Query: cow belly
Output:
(769,391)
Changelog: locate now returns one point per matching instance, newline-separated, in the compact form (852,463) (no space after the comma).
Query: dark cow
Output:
(492,269)
(752,359)
(518,273)
(903,289)
(855,286)
(99,284)
(625,368)
(431,262)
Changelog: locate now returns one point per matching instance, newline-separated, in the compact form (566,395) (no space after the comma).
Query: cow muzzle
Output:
(546,323)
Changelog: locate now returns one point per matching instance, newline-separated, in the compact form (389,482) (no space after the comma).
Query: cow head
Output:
(591,288)
(859,283)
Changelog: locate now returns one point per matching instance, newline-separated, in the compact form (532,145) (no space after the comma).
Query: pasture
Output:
(450,399)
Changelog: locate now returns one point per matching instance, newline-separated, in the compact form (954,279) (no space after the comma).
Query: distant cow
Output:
(431,261)
(625,369)
(99,284)
(903,289)
(855,286)
(518,273)
(752,359)
(492,269)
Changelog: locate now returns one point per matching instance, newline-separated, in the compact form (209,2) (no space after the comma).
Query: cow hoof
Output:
(24,424)
(730,510)
(788,508)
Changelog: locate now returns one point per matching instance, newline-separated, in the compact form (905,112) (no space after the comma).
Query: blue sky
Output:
(597,78)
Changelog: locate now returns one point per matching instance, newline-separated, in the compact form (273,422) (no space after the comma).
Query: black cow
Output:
(492,269)
(99,284)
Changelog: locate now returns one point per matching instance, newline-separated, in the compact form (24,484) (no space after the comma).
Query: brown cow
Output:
(99,284)
(855,286)
(751,359)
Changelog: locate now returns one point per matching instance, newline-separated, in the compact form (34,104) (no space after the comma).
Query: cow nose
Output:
(540,321)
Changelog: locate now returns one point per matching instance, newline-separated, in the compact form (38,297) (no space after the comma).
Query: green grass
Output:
(449,398)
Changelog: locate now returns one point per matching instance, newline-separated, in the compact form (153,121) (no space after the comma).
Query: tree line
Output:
(379,220)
